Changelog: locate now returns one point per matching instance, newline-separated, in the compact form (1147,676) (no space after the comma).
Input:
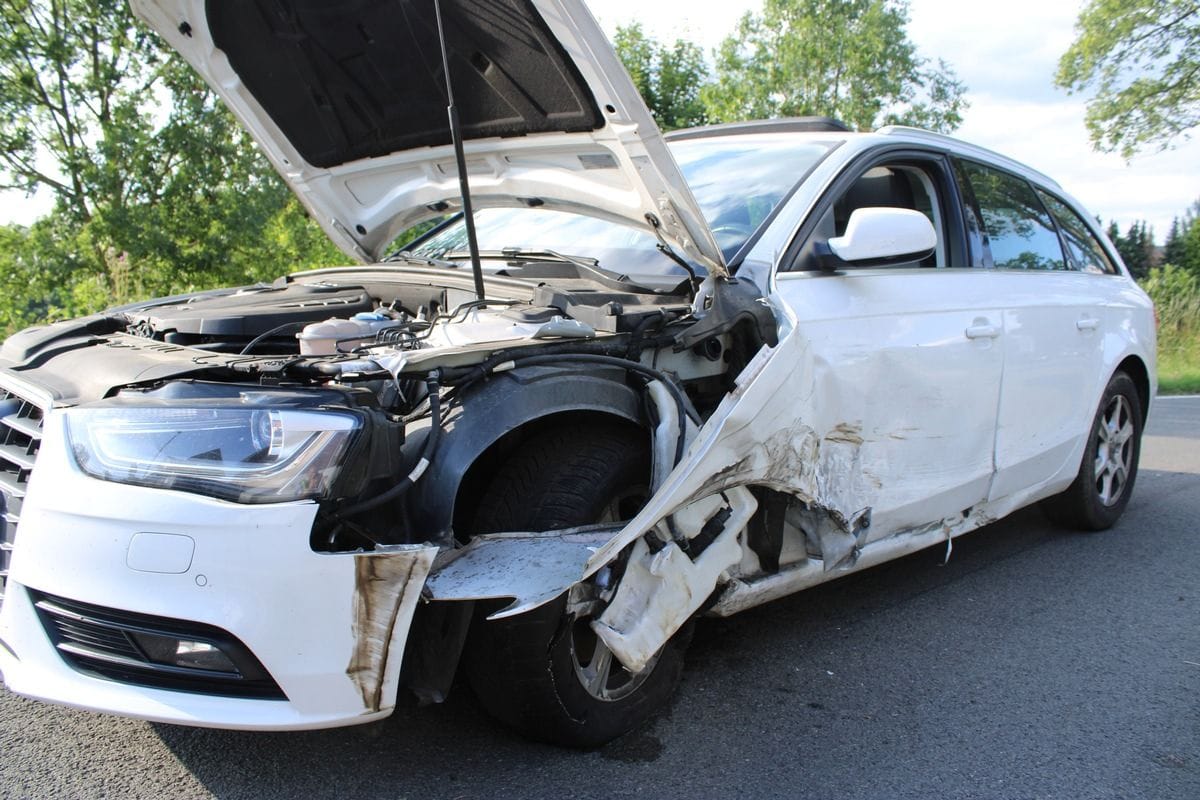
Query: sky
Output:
(1005,55)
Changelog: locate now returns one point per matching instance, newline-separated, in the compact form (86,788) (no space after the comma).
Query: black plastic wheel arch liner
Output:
(504,403)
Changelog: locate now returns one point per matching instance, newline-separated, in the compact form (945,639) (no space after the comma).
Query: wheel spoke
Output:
(1116,417)
(1106,481)
(598,669)
(1124,434)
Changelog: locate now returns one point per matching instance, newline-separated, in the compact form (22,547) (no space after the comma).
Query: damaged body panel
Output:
(530,568)
(660,591)
(387,586)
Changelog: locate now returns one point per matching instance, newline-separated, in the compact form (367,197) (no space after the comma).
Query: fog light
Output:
(187,653)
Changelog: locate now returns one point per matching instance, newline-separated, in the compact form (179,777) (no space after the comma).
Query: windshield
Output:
(737,180)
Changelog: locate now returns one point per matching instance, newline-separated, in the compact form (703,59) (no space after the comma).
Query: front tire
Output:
(1101,490)
(545,673)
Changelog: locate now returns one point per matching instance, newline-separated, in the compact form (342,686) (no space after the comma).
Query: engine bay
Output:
(386,324)
(337,311)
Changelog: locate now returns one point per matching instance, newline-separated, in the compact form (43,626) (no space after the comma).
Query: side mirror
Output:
(885,236)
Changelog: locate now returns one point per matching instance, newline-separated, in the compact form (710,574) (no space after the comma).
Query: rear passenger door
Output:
(1053,325)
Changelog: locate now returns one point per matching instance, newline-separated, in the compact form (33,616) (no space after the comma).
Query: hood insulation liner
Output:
(362,79)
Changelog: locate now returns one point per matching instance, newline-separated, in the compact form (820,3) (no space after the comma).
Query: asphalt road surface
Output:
(1036,664)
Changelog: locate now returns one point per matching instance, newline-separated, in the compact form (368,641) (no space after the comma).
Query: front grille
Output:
(20,438)
(103,642)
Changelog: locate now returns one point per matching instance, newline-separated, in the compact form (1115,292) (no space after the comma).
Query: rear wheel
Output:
(1104,484)
(545,673)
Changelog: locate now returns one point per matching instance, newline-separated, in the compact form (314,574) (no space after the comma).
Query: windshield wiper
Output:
(412,258)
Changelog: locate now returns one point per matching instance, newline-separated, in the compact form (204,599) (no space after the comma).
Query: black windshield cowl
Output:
(531,263)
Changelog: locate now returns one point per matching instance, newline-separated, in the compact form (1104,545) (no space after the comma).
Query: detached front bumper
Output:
(329,629)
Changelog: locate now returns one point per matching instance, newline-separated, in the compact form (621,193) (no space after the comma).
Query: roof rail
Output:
(941,138)
(785,125)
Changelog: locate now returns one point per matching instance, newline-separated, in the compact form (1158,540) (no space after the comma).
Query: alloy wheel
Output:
(1114,450)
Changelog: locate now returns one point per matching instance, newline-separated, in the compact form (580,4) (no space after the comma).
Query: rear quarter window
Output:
(1083,248)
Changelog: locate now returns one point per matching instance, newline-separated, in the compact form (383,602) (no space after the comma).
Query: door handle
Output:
(1087,324)
(984,331)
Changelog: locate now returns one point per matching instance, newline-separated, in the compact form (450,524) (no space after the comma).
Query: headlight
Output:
(225,449)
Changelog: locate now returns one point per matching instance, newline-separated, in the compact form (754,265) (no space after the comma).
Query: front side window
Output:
(912,186)
(1085,252)
(1018,233)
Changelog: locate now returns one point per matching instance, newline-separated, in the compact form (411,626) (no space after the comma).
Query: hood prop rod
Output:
(464,186)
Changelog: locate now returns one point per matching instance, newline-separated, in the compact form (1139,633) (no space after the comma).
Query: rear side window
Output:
(1084,250)
(1018,233)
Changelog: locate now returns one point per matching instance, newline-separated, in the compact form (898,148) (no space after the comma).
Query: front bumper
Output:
(330,629)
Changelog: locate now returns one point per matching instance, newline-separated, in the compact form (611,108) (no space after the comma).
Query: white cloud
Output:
(23,210)
(1010,49)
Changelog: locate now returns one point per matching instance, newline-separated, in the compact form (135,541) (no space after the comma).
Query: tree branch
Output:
(1163,27)
(73,131)
(20,166)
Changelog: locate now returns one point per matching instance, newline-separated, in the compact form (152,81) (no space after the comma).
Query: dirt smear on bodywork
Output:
(387,587)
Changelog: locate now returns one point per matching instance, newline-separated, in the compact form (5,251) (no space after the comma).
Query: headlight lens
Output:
(230,451)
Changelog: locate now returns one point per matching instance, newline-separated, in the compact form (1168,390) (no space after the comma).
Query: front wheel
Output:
(1104,484)
(545,673)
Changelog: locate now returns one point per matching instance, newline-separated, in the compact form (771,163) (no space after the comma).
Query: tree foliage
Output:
(1136,247)
(1183,242)
(1141,59)
(667,77)
(848,59)
(156,187)
(35,268)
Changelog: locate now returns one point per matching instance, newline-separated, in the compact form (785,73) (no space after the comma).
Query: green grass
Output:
(1180,373)
(1176,295)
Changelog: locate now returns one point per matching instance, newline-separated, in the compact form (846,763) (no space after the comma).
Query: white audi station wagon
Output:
(654,378)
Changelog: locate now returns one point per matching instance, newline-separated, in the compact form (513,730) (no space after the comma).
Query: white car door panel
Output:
(1053,373)
(907,367)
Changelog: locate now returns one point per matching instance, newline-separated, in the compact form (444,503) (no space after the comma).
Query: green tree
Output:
(668,77)
(849,59)
(156,187)
(1141,59)
(1136,247)
(1183,243)
(1173,249)
(28,270)
(1113,231)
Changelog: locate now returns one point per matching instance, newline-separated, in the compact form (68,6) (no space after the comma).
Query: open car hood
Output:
(348,100)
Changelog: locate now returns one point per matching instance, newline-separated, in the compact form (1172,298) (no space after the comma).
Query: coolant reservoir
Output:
(335,336)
